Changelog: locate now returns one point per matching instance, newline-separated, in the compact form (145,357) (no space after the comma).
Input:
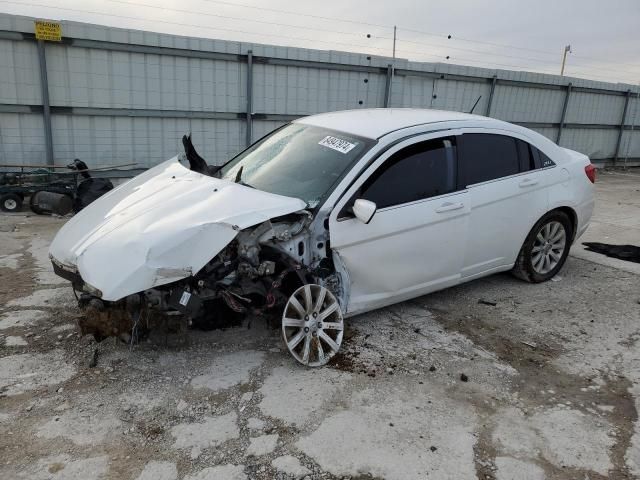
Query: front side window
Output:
(417,172)
(483,157)
(301,161)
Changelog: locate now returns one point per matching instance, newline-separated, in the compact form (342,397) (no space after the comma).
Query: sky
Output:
(511,34)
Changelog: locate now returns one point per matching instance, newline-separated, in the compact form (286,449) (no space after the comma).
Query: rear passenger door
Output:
(507,195)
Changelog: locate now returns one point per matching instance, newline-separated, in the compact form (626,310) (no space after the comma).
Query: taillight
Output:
(590,170)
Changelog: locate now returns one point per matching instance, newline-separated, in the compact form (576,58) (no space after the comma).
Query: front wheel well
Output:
(571,213)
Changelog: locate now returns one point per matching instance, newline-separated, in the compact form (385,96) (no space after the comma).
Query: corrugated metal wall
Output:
(119,96)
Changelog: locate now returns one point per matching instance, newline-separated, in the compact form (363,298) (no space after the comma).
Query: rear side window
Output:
(545,161)
(420,171)
(525,156)
(540,158)
(483,157)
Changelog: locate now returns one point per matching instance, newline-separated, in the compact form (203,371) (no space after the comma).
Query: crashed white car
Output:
(326,217)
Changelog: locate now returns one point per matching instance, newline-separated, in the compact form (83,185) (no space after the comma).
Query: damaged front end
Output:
(250,276)
(175,248)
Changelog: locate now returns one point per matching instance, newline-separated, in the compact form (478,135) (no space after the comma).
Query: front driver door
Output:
(414,242)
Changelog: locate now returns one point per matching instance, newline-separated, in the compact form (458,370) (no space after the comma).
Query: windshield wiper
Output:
(239,178)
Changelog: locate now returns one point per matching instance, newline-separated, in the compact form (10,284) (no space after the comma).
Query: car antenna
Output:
(474,105)
(239,174)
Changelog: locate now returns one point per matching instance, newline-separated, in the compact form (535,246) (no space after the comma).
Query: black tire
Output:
(34,206)
(524,267)
(10,202)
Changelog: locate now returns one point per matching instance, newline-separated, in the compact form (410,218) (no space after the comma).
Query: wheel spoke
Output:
(554,255)
(536,258)
(328,311)
(539,237)
(321,358)
(558,245)
(332,326)
(293,343)
(329,341)
(539,262)
(320,300)
(308,302)
(306,349)
(297,306)
(558,236)
(536,248)
(292,322)
(554,229)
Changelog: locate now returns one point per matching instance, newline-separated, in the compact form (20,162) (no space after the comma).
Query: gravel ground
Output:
(495,379)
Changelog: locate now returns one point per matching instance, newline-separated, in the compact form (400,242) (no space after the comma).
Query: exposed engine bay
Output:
(255,274)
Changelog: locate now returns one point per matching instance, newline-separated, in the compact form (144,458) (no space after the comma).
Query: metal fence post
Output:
(46,107)
(494,80)
(624,117)
(564,113)
(387,86)
(249,97)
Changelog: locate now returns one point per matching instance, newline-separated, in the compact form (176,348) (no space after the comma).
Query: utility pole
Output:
(394,41)
(567,49)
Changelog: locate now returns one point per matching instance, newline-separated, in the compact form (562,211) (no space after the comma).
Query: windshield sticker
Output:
(337,144)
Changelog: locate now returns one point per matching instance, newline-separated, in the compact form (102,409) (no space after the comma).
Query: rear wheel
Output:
(545,249)
(10,202)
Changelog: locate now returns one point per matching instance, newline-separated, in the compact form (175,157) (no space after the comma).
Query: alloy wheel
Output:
(312,325)
(548,247)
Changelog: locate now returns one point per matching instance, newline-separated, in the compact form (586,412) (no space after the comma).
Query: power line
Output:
(264,22)
(349,45)
(204,27)
(309,15)
(420,32)
(500,55)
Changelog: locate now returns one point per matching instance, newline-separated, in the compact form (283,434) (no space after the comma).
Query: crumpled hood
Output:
(159,227)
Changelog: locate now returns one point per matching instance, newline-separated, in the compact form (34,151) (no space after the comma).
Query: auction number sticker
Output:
(337,144)
(184,299)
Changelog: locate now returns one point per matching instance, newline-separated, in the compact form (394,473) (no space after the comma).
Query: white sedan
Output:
(327,217)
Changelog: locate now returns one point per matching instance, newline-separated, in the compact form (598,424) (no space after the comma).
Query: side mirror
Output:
(364,210)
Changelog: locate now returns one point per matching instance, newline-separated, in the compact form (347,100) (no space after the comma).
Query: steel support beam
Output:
(494,80)
(278,117)
(624,117)
(46,107)
(564,113)
(387,85)
(249,130)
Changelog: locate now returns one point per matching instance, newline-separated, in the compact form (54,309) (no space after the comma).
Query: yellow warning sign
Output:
(50,31)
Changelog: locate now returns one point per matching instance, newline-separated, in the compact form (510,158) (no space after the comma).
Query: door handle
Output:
(527,182)
(448,207)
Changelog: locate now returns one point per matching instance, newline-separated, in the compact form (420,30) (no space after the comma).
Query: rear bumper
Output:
(584,213)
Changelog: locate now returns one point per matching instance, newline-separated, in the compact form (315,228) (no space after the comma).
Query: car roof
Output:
(376,122)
